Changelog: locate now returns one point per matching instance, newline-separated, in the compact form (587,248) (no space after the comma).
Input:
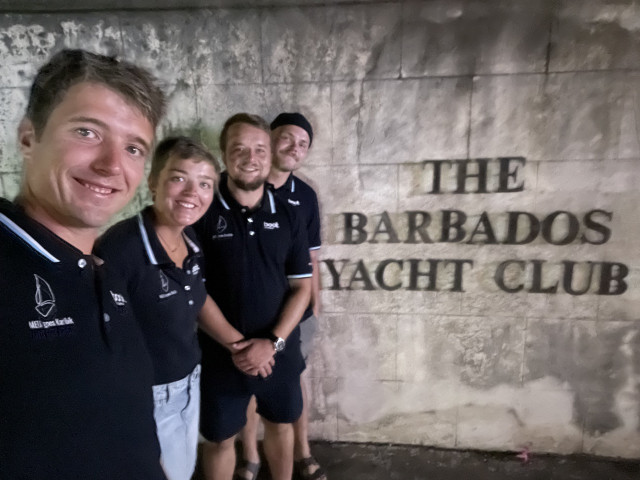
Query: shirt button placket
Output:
(250,221)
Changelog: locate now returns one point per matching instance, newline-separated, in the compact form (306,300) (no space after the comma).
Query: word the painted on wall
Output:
(492,175)
(510,276)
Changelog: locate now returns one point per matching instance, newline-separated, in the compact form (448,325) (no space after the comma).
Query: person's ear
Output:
(26,139)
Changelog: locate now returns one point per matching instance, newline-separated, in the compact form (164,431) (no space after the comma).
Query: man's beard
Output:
(249,186)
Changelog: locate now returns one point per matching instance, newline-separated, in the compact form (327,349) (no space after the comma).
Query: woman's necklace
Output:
(166,244)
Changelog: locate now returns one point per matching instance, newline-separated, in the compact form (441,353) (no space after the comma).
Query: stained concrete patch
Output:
(162,43)
(588,356)
(417,428)
(226,47)
(349,42)
(359,338)
(27,42)
(365,188)
(323,412)
(13,103)
(216,103)
(494,36)
(481,355)
(402,302)
(10,185)
(181,116)
(529,115)
(414,120)
(596,35)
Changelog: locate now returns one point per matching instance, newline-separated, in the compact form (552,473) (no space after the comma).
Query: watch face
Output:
(279,344)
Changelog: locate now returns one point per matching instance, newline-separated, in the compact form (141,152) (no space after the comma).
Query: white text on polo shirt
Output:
(224,235)
(168,294)
(293,202)
(271,226)
(57,322)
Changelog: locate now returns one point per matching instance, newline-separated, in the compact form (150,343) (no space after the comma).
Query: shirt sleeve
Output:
(298,264)
(313,226)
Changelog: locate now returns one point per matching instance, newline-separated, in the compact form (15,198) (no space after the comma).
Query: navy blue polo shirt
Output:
(165,299)
(250,256)
(76,398)
(304,201)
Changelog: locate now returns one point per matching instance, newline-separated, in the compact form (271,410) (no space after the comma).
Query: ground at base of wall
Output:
(355,461)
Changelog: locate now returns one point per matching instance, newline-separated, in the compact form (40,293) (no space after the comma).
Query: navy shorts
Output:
(225,399)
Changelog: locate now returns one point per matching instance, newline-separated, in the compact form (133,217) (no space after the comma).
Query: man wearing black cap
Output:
(291,138)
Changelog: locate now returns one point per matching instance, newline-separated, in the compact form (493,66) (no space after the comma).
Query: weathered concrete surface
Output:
(446,37)
(350,42)
(420,341)
(596,36)
(79,6)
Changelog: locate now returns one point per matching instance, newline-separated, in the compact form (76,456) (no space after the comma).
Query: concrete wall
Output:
(444,326)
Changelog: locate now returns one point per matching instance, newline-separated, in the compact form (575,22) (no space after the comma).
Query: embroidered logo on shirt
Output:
(271,226)
(118,299)
(294,202)
(45,300)
(49,326)
(195,270)
(164,282)
(221,226)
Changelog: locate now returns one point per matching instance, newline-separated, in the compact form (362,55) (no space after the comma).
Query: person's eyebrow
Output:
(184,172)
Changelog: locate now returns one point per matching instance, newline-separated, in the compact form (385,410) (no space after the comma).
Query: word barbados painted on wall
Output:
(452,226)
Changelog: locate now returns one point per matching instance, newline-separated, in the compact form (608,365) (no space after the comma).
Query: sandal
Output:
(302,467)
(246,468)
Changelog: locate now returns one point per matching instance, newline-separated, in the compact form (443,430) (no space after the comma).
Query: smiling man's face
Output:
(87,162)
(247,156)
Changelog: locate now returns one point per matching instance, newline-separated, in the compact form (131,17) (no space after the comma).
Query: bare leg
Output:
(301,427)
(301,449)
(219,459)
(278,448)
(249,438)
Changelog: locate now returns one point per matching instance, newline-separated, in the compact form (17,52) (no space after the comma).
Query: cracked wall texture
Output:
(390,87)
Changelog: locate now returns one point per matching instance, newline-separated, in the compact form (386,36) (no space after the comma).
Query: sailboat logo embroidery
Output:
(164,281)
(222,224)
(45,300)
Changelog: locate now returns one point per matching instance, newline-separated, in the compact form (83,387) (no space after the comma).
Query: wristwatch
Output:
(278,342)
